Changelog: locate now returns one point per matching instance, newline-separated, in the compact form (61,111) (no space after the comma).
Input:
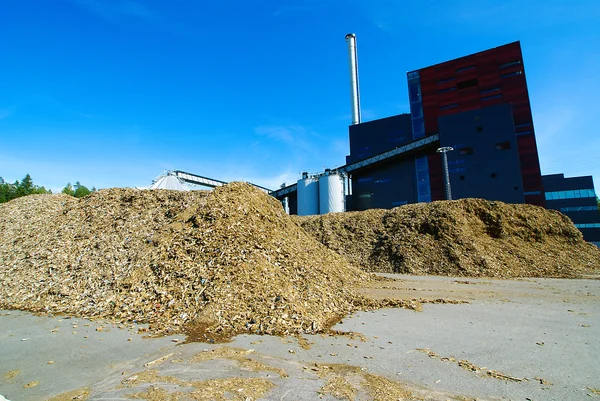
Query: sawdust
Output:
(239,355)
(594,390)
(237,388)
(467,237)
(477,369)
(348,382)
(153,393)
(340,388)
(304,343)
(81,394)
(220,263)
(10,375)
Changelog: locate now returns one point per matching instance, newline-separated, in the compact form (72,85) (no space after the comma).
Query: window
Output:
(588,225)
(492,97)
(399,203)
(571,194)
(462,177)
(465,151)
(511,74)
(447,90)
(423,185)
(486,91)
(469,83)
(578,208)
(469,68)
(449,106)
(526,125)
(516,62)
(382,181)
(479,129)
(446,80)
(457,170)
(516,188)
(524,133)
(494,175)
(503,145)
(366,179)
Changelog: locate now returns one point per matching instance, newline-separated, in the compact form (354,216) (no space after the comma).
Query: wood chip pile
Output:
(467,237)
(229,261)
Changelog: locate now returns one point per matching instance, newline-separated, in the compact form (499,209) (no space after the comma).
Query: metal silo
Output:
(331,192)
(308,195)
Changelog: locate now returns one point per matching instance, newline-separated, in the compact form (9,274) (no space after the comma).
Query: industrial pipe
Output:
(354,90)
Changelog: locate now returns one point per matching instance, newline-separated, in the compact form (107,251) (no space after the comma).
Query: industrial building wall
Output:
(485,160)
(576,198)
(479,80)
(386,186)
(375,137)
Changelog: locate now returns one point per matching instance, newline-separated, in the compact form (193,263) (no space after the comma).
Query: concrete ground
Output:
(534,339)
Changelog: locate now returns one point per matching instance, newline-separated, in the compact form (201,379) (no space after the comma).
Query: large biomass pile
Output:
(468,237)
(228,261)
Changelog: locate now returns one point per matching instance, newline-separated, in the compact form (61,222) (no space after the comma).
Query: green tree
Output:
(598,202)
(80,190)
(25,187)
(68,189)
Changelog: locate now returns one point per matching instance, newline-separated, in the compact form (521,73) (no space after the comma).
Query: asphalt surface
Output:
(514,340)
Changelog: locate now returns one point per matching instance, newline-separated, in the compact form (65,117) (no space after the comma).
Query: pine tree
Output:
(68,189)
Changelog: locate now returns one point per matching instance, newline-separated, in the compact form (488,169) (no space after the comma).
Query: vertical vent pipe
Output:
(353,65)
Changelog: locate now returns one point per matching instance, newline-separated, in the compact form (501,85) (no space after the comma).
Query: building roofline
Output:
(518,42)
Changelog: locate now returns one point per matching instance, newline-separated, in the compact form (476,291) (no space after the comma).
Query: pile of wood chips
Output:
(467,237)
(227,261)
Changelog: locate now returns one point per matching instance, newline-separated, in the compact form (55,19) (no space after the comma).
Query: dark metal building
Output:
(576,198)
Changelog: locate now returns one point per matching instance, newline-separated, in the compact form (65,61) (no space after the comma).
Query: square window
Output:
(494,175)
(462,177)
(466,151)
(479,129)
(503,145)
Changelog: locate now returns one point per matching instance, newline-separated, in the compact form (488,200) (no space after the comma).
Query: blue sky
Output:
(113,92)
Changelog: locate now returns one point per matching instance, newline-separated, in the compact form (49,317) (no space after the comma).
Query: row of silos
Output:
(321,194)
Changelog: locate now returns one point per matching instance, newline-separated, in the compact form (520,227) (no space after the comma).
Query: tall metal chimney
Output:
(353,64)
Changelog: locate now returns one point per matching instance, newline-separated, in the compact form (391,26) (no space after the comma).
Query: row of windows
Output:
(499,146)
(588,225)
(452,105)
(511,74)
(577,193)
(578,208)
(472,67)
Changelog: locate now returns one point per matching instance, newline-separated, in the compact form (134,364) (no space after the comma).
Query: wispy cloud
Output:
(114,9)
(293,135)
(4,113)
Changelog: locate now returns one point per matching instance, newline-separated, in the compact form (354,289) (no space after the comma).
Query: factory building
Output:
(479,106)
(576,198)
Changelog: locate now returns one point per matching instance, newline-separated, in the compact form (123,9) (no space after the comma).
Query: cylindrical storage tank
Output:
(308,195)
(331,193)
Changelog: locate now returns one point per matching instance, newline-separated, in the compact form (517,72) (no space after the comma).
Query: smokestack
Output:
(353,64)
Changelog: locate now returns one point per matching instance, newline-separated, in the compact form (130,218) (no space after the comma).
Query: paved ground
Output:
(516,340)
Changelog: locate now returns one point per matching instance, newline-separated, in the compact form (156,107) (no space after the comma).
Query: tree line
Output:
(26,186)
